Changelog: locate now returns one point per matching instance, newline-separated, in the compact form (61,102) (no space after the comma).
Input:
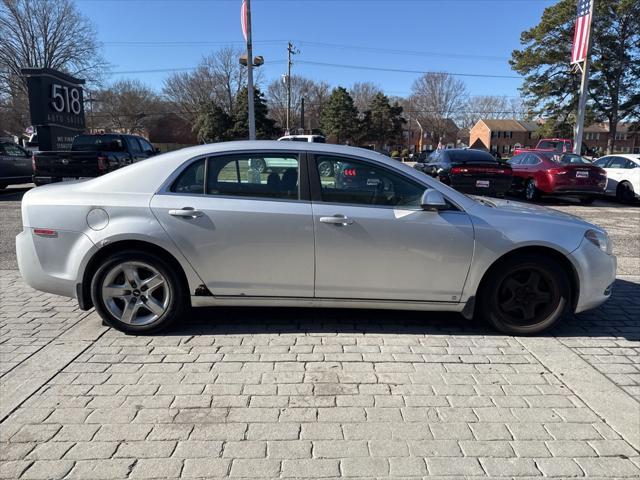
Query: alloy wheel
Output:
(530,190)
(135,293)
(527,295)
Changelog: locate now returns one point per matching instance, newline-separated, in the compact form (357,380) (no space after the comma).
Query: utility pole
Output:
(584,93)
(302,114)
(250,90)
(291,51)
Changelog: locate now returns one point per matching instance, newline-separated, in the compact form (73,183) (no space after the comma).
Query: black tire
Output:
(2,186)
(531,192)
(587,200)
(176,304)
(505,307)
(625,193)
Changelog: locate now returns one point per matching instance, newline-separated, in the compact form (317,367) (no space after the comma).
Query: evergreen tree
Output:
(552,87)
(385,120)
(212,124)
(265,126)
(340,116)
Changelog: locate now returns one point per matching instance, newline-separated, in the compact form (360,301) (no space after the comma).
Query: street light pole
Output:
(250,90)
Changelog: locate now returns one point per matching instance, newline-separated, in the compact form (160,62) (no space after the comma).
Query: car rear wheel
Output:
(525,295)
(138,292)
(531,192)
(625,193)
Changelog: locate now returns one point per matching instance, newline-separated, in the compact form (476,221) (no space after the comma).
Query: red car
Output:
(568,174)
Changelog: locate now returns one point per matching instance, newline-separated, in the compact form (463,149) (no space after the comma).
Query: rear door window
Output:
(270,176)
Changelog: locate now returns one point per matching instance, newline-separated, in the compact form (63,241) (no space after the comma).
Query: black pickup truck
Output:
(90,156)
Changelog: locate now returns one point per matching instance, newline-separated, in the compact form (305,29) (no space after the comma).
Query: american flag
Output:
(582,32)
(243,18)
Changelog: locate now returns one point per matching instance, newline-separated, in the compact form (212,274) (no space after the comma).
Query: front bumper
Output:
(53,264)
(597,273)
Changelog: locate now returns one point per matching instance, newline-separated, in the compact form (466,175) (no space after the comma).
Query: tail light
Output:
(557,171)
(33,163)
(350,172)
(45,232)
(102,164)
(491,170)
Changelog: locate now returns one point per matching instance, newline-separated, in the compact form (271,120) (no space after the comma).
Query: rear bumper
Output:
(596,273)
(43,180)
(53,264)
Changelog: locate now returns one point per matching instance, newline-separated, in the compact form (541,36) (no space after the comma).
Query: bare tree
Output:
(218,78)
(127,106)
(363,93)
(437,99)
(315,96)
(43,34)
(484,106)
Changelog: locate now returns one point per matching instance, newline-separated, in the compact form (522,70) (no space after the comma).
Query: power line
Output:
(398,70)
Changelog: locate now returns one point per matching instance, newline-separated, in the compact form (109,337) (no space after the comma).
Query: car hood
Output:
(510,206)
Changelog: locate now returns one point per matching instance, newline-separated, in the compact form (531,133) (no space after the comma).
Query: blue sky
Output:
(459,36)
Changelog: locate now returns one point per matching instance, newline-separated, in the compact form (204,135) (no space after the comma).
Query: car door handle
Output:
(340,220)
(186,212)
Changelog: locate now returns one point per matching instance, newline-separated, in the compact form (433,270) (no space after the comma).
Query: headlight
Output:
(600,240)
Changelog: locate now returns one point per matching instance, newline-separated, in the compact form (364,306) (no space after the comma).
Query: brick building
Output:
(503,135)
(627,140)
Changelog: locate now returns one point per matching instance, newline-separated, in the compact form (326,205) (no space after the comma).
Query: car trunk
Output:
(578,177)
(479,177)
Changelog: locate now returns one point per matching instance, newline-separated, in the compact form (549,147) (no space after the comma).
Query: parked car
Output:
(145,242)
(15,165)
(553,145)
(469,171)
(90,156)
(623,175)
(536,174)
(303,138)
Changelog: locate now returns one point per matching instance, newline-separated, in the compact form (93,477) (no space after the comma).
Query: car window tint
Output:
(268,176)
(618,162)
(517,160)
(470,156)
(352,182)
(602,162)
(146,146)
(572,158)
(191,180)
(13,150)
(134,146)
(530,160)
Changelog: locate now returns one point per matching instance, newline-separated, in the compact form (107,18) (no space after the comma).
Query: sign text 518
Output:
(65,99)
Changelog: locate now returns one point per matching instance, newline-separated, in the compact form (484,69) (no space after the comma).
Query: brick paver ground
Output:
(270,393)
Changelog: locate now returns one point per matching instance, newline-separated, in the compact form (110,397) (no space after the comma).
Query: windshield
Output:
(93,143)
(469,156)
(556,145)
(569,159)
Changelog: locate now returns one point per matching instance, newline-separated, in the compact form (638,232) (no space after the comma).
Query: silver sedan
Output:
(260,224)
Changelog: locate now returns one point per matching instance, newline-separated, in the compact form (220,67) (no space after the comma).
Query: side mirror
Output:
(433,200)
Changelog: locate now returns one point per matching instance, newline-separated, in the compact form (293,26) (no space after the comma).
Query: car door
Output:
(135,150)
(147,148)
(616,172)
(247,232)
(373,241)
(15,163)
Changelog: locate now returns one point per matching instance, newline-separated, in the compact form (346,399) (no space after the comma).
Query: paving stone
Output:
(253,467)
(559,467)
(101,469)
(509,467)
(364,467)
(91,450)
(459,467)
(311,468)
(47,469)
(206,468)
(607,466)
(157,468)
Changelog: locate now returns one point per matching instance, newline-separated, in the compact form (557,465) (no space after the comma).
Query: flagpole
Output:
(584,93)
(250,90)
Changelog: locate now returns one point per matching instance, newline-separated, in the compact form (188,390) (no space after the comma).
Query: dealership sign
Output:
(56,105)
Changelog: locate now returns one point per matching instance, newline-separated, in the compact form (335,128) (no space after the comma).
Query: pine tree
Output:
(385,120)
(340,116)
(265,126)
(212,124)
(552,87)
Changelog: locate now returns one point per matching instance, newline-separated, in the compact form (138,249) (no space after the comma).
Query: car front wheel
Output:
(625,193)
(137,292)
(525,295)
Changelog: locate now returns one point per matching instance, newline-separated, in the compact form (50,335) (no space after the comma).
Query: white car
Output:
(303,138)
(623,175)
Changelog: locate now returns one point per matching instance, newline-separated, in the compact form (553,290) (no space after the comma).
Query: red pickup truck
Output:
(560,145)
